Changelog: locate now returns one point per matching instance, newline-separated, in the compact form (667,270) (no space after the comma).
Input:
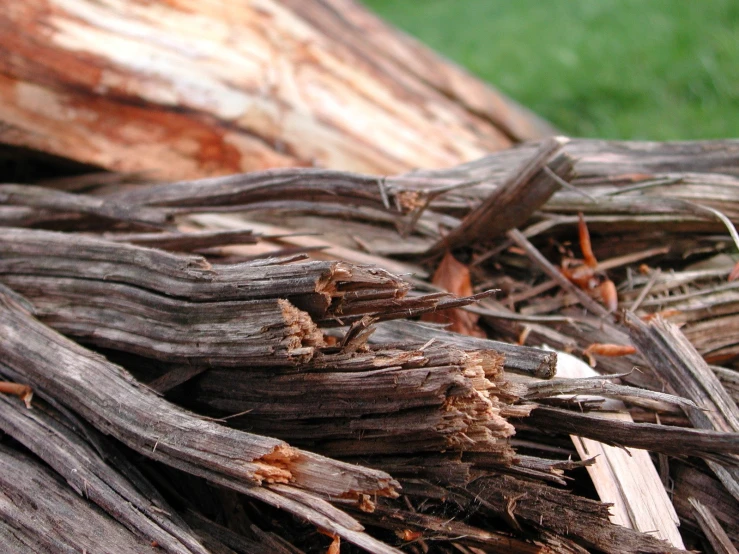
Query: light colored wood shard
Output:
(624,477)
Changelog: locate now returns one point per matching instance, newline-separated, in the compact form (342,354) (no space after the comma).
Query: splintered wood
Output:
(232,382)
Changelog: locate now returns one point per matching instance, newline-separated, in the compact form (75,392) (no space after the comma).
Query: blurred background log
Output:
(191,89)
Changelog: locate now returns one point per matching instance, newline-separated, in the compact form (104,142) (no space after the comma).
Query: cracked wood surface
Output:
(189,89)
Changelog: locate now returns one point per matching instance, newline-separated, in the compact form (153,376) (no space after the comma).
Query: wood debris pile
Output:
(237,364)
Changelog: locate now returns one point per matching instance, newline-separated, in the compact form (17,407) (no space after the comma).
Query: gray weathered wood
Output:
(675,441)
(513,202)
(49,435)
(377,402)
(527,360)
(107,396)
(41,514)
(525,502)
(684,370)
(712,528)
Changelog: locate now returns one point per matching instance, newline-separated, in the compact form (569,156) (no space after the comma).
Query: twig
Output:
(533,253)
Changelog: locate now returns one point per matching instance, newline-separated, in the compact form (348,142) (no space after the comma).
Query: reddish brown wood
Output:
(189,88)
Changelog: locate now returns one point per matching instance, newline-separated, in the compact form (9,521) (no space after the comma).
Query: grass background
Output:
(628,69)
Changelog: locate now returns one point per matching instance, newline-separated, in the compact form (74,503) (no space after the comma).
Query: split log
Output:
(313,285)
(117,316)
(186,90)
(89,383)
(563,522)
(433,399)
(381,402)
(326,290)
(96,470)
(150,302)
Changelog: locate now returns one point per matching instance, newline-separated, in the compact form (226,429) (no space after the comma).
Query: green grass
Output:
(627,69)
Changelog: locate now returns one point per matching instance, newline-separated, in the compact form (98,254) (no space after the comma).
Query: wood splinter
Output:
(610,350)
(24,392)
(585,275)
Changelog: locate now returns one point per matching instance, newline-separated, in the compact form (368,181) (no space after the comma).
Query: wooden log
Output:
(436,199)
(601,166)
(411,58)
(437,398)
(268,332)
(379,402)
(95,468)
(326,290)
(152,303)
(313,286)
(410,385)
(190,89)
(91,385)
(563,522)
